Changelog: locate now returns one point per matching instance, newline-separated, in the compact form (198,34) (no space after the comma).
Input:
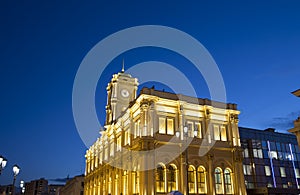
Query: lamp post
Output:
(22,186)
(185,136)
(16,171)
(3,162)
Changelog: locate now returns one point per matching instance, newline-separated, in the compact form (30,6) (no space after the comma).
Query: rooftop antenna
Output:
(123,67)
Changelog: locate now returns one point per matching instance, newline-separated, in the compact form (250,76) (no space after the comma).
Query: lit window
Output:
(160,179)
(191,179)
(190,126)
(228,182)
(201,180)
(171,177)
(126,137)
(106,153)
(119,143)
(218,181)
(223,134)
(282,172)
(198,129)
(246,153)
(247,169)
(267,171)
(297,173)
(162,125)
(112,149)
(166,125)
(137,129)
(216,132)
(255,155)
(273,154)
(170,127)
(260,153)
(220,133)
(284,185)
(100,157)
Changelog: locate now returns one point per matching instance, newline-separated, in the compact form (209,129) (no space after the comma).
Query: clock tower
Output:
(121,90)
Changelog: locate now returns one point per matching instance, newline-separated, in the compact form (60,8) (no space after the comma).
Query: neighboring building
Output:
(37,187)
(150,122)
(53,189)
(5,190)
(74,186)
(296,129)
(271,160)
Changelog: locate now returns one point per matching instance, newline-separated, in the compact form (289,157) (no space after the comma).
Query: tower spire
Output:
(123,67)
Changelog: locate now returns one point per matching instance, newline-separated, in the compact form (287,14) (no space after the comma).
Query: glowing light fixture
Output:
(3,162)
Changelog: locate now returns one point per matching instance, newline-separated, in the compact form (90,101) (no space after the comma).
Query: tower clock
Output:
(121,90)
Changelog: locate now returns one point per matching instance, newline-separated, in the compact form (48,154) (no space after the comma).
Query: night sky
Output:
(42,43)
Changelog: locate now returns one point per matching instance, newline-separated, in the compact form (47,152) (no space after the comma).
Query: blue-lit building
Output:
(271,161)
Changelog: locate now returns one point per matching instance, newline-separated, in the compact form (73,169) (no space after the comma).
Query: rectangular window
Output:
(255,155)
(112,149)
(223,133)
(297,173)
(259,153)
(216,132)
(106,153)
(162,125)
(282,172)
(119,143)
(190,126)
(247,170)
(198,129)
(267,171)
(220,133)
(170,127)
(137,129)
(246,153)
(126,137)
(100,157)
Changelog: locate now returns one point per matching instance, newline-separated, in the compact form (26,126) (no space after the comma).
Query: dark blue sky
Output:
(42,43)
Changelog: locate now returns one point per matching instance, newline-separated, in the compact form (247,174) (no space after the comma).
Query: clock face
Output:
(124,93)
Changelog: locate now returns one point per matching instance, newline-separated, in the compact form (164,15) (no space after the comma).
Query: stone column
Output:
(238,174)
(210,171)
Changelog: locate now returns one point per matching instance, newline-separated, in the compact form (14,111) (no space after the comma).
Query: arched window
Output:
(172,178)
(192,179)
(218,181)
(201,180)
(228,181)
(160,178)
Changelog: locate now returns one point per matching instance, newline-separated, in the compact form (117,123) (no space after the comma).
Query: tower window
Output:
(166,125)
(220,133)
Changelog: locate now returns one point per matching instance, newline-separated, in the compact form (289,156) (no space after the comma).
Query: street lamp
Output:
(16,171)
(185,136)
(22,186)
(3,162)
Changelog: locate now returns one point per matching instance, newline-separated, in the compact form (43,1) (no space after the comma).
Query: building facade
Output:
(158,142)
(296,129)
(37,187)
(271,160)
(73,186)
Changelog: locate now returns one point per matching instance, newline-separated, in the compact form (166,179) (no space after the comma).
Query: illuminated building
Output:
(128,157)
(271,161)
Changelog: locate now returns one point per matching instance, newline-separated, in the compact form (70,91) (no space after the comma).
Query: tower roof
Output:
(296,93)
